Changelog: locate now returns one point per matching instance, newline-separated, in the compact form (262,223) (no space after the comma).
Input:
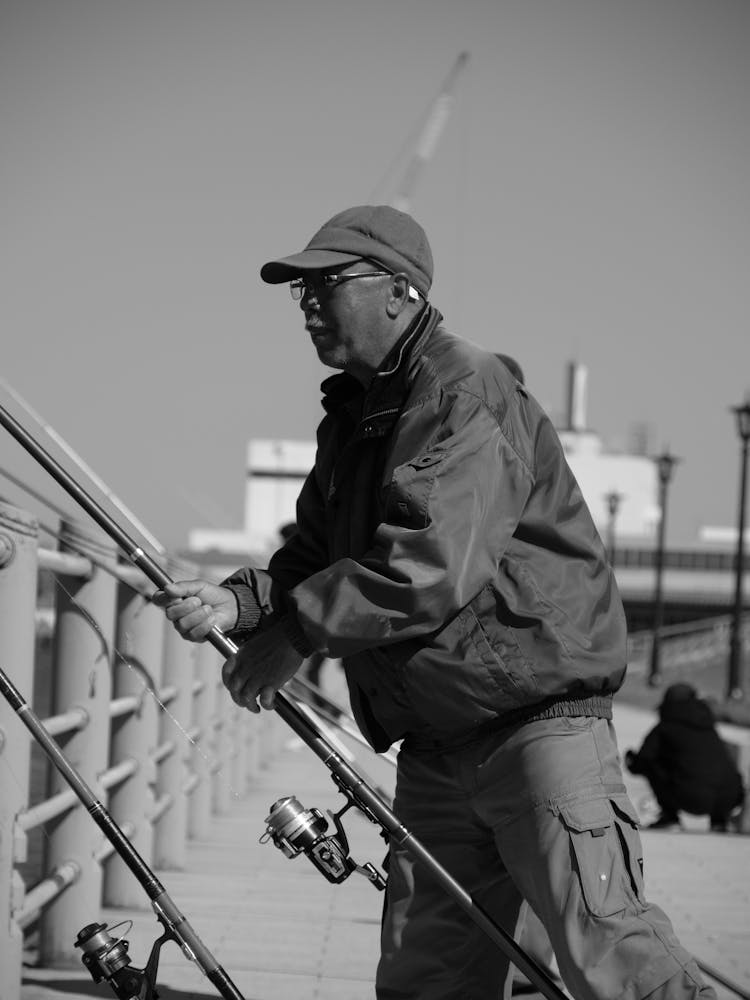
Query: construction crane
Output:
(428,136)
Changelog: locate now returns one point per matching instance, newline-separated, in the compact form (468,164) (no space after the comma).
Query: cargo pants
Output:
(538,812)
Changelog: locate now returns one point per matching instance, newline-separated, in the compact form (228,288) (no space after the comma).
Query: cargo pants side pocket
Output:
(605,847)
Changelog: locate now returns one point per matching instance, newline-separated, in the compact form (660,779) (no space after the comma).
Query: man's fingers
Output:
(255,699)
(192,619)
(179,608)
(240,688)
(246,702)
(190,612)
(244,690)
(255,674)
(267,697)
(175,590)
(245,696)
(227,671)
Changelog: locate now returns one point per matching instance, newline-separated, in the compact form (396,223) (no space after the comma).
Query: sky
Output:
(588,201)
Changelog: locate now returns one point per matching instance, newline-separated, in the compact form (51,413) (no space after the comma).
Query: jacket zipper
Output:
(366,425)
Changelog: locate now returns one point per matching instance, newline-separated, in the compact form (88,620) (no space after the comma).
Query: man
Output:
(445,553)
(686,762)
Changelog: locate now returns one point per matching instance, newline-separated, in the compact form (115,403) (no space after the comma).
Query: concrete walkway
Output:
(282,932)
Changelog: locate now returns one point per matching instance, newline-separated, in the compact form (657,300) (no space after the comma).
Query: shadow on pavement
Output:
(86,987)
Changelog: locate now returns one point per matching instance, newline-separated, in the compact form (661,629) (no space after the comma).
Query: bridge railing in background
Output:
(702,642)
(141,714)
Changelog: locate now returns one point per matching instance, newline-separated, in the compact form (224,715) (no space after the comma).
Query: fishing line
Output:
(213,765)
(58,535)
(62,514)
(83,467)
(112,571)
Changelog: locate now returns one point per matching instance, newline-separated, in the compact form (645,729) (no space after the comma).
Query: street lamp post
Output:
(665,464)
(613,499)
(735,680)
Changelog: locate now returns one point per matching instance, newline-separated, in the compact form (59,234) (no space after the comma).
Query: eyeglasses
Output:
(299,286)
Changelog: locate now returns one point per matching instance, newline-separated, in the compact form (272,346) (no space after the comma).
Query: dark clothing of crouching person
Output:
(686,762)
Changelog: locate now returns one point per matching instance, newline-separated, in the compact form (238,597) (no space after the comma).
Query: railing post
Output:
(225,748)
(81,663)
(199,812)
(170,832)
(18,576)
(137,673)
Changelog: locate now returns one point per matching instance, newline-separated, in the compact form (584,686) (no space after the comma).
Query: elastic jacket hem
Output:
(596,706)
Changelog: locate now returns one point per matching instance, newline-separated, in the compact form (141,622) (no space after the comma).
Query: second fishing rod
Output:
(349,781)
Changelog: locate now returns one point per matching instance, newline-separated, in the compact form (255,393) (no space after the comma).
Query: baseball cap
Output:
(378,233)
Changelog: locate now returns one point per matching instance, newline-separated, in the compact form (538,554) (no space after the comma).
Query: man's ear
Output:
(400,296)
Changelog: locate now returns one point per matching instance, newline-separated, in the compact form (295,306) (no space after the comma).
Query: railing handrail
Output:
(117,665)
(700,625)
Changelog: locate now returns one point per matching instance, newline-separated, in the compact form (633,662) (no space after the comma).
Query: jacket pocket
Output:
(510,671)
(405,497)
(454,680)
(606,851)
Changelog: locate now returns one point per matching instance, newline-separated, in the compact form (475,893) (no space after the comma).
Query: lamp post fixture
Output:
(613,499)
(665,464)
(734,682)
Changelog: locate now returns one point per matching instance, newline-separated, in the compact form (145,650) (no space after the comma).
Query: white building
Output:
(276,470)
(631,478)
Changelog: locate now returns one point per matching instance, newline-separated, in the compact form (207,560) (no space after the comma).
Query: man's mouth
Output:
(316,329)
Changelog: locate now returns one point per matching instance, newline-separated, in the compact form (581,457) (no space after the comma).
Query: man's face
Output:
(347,321)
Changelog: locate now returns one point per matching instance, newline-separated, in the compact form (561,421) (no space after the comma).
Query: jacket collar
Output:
(389,383)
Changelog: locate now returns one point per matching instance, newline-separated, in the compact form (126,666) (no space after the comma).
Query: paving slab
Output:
(282,932)
(277,927)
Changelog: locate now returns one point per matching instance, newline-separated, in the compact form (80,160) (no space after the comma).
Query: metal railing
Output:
(705,641)
(141,714)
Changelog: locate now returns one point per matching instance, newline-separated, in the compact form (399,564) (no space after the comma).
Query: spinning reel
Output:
(294,830)
(106,958)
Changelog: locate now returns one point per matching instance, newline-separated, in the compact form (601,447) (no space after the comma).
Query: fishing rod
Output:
(106,957)
(327,723)
(60,441)
(292,828)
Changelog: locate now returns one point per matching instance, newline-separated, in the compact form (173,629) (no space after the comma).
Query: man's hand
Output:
(262,665)
(194,607)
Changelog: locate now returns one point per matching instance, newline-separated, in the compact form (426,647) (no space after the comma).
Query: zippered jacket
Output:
(445,553)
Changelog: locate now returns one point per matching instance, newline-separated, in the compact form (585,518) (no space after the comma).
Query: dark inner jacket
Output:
(445,553)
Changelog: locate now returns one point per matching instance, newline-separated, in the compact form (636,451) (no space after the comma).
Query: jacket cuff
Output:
(248,609)
(295,635)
